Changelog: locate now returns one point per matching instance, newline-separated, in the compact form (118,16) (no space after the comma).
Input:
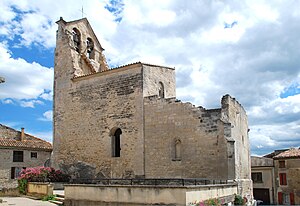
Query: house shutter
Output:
(292,199)
(280,198)
(284,179)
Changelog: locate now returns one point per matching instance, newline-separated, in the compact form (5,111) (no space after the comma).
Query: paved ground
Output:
(23,201)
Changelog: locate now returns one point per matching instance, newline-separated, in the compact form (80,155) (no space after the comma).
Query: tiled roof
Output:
(26,144)
(10,138)
(276,152)
(291,153)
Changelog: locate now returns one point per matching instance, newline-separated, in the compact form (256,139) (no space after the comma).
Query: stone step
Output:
(61,199)
(56,202)
(60,195)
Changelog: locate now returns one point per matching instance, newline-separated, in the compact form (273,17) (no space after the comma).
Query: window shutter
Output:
(292,199)
(284,179)
(280,198)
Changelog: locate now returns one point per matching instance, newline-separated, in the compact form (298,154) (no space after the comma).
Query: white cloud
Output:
(254,61)
(23,80)
(47,116)
(30,103)
(47,135)
(7,101)
(47,96)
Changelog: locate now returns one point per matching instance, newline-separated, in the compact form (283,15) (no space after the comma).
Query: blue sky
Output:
(248,49)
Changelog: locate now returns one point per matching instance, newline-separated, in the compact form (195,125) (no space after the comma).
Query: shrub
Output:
(22,186)
(40,174)
(239,200)
(49,197)
(43,174)
(211,201)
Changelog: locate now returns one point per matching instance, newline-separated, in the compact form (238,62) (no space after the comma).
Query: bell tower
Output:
(77,38)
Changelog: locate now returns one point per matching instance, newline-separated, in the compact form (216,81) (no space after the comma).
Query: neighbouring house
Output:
(276,177)
(126,122)
(19,150)
(287,177)
(262,174)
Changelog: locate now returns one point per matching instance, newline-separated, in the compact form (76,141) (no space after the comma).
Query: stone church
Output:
(126,122)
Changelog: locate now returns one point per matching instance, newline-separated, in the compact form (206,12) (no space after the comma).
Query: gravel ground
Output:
(23,201)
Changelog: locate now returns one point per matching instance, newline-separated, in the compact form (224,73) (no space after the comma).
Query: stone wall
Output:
(153,75)
(6,163)
(87,113)
(200,132)
(39,189)
(143,195)
(234,114)
(261,162)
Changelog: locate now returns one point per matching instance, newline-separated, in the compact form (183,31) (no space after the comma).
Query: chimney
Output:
(22,134)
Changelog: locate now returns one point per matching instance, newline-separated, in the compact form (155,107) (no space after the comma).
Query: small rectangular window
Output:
(282,179)
(282,164)
(256,177)
(33,155)
(18,156)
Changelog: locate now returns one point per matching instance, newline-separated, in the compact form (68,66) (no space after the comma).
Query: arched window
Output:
(76,39)
(90,48)
(116,142)
(177,149)
(161,91)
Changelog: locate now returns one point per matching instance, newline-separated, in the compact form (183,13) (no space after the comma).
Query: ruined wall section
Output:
(153,75)
(234,114)
(200,131)
(93,107)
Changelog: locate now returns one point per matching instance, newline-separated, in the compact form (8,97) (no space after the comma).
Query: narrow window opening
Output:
(178,150)
(76,39)
(116,143)
(90,48)
(161,91)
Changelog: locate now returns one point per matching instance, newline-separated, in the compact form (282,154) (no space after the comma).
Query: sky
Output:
(248,49)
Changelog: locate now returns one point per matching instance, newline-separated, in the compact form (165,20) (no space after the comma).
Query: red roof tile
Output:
(291,153)
(10,138)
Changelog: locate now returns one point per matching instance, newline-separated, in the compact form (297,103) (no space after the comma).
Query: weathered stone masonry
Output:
(126,122)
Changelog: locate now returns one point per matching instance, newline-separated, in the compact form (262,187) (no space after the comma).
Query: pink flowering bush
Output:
(211,201)
(40,174)
(43,174)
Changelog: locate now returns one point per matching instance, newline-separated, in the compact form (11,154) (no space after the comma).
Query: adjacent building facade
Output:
(262,173)
(19,150)
(126,122)
(276,177)
(287,177)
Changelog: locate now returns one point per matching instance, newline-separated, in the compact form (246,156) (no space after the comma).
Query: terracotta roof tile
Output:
(11,139)
(291,153)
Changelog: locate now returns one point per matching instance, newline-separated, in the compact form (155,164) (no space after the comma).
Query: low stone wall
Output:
(84,194)
(39,189)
